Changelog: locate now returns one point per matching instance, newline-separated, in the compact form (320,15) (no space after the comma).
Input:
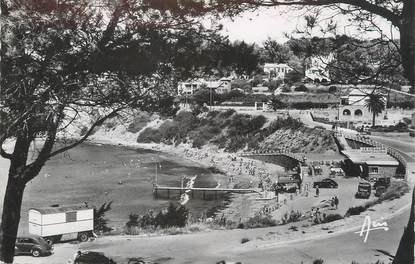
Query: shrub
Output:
(139,122)
(318,261)
(355,210)
(331,217)
(149,135)
(395,190)
(100,223)
(133,220)
(293,216)
(236,143)
(333,89)
(174,216)
(259,221)
(83,131)
(301,88)
(244,240)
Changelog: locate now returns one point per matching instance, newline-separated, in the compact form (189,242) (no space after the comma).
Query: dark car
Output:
(92,257)
(382,182)
(363,190)
(34,245)
(325,183)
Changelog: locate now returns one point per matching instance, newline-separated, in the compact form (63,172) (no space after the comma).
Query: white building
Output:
(317,74)
(188,88)
(221,86)
(276,70)
(353,108)
(317,68)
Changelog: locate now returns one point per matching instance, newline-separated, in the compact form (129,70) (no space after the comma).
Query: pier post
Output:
(168,193)
(204,195)
(216,195)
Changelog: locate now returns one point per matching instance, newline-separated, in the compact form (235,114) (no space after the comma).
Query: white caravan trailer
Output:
(53,222)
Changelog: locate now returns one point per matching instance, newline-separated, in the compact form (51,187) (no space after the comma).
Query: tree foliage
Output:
(375,103)
(62,60)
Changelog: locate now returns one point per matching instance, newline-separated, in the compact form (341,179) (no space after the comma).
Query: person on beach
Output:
(317,191)
(336,201)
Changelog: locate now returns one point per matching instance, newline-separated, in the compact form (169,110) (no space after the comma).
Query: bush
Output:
(301,88)
(149,135)
(331,217)
(139,122)
(355,210)
(244,240)
(259,221)
(394,191)
(333,89)
(174,216)
(293,216)
(100,223)
(236,143)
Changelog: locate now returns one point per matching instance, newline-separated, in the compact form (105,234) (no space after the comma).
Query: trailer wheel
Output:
(35,252)
(83,237)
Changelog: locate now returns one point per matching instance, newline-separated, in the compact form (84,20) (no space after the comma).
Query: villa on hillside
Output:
(188,88)
(220,86)
(276,70)
(372,162)
(353,109)
(317,68)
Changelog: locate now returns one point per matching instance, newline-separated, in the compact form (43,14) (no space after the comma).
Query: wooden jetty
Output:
(192,190)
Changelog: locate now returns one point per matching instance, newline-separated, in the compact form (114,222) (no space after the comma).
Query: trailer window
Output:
(71,217)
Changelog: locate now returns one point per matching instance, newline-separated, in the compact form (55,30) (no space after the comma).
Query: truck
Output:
(53,222)
(363,190)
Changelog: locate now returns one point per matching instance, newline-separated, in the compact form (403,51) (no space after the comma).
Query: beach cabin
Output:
(53,222)
(372,163)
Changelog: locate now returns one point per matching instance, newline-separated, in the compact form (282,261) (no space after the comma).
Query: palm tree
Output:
(375,103)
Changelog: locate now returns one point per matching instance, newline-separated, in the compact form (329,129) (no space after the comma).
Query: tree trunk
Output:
(373,119)
(407,39)
(10,219)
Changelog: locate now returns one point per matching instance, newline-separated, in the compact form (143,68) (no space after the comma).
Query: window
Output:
(358,112)
(374,170)
(346,112)
(70,217)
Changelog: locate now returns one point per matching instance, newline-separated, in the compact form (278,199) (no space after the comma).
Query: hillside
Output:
(304,140)
(236,132)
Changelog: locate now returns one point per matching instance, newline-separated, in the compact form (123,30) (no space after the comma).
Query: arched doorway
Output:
(358,112)
(346,112)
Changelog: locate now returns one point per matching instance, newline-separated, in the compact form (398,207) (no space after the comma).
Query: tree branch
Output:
(97,123)
(363,4)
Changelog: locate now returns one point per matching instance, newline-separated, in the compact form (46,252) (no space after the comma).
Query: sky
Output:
(256,27)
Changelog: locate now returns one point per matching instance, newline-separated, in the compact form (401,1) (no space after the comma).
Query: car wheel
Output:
(49,240)
(35,252)
(83,237)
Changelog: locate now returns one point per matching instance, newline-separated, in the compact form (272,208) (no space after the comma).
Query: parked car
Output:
(34,245)
(384,182)
(325,183)
(363,190)
(92,257)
